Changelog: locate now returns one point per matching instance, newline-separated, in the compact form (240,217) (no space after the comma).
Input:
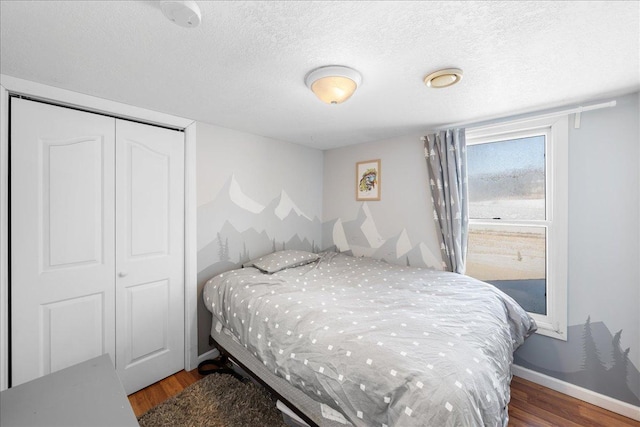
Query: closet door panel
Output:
(62,238)
(72,201)
(150,255)
(74,328)
(148,197)
(148,313)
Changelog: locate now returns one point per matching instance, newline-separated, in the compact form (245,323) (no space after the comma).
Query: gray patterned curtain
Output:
(446,156)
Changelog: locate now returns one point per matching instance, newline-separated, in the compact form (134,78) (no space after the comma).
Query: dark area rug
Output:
(216,400)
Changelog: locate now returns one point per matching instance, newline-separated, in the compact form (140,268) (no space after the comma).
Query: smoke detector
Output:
(184,13)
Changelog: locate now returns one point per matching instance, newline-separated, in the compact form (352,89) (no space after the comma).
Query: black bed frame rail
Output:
(255,377)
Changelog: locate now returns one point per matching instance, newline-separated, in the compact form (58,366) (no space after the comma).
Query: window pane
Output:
(513,259)
(507,179)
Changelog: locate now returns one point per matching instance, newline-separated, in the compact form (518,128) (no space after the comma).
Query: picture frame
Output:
(368,180)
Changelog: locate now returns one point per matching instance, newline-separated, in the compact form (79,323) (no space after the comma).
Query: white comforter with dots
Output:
(384,344)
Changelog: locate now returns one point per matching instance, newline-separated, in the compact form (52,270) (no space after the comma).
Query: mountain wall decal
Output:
(339,238)
(286,206)
(362,238)
(240,199)
(244,227)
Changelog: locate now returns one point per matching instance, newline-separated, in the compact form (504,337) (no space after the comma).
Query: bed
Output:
(356,340)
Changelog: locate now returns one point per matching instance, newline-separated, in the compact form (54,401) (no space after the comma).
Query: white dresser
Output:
(86,394)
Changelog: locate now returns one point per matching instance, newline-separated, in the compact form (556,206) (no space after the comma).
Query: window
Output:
(517,181)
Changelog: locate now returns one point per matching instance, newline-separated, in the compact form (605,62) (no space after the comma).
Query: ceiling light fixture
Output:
(443,78)
(333,84)
(184,13)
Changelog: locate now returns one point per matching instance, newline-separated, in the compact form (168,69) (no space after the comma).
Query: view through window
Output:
(508,217)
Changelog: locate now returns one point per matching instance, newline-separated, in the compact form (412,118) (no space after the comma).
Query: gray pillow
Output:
(280,260)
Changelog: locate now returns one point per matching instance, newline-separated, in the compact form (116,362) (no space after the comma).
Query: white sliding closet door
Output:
(62,238)
(149,253)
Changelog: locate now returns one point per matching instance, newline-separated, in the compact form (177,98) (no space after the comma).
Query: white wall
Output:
(604,281)
(254,194)
(405,202)
(604,193)
(262,167)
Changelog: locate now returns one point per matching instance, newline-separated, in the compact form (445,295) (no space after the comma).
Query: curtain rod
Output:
(577,110)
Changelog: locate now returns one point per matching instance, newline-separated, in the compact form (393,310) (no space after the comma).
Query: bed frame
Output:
(298,402)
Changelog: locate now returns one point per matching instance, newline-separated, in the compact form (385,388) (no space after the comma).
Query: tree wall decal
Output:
(591,361)
(223,249)
(620,359)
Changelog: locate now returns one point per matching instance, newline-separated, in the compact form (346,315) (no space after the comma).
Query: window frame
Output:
(556,132)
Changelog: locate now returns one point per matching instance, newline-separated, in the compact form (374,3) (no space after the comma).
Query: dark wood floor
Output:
(534,405)
(157,393)
(531,404)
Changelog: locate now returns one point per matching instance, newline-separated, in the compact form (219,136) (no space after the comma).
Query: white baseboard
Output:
(589,396)
(211,354)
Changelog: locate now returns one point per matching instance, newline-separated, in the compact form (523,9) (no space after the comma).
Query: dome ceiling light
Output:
(443,78)
(333,84)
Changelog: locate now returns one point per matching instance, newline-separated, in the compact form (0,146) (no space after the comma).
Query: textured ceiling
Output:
(244,66)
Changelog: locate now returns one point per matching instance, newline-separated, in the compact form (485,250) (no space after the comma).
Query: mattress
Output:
(385,345)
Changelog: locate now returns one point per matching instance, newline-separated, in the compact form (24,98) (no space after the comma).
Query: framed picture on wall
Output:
(368,180)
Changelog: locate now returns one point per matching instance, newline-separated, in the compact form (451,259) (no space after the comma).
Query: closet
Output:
(96,245)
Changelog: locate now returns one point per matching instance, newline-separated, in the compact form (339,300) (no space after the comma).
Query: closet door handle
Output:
(122,274)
